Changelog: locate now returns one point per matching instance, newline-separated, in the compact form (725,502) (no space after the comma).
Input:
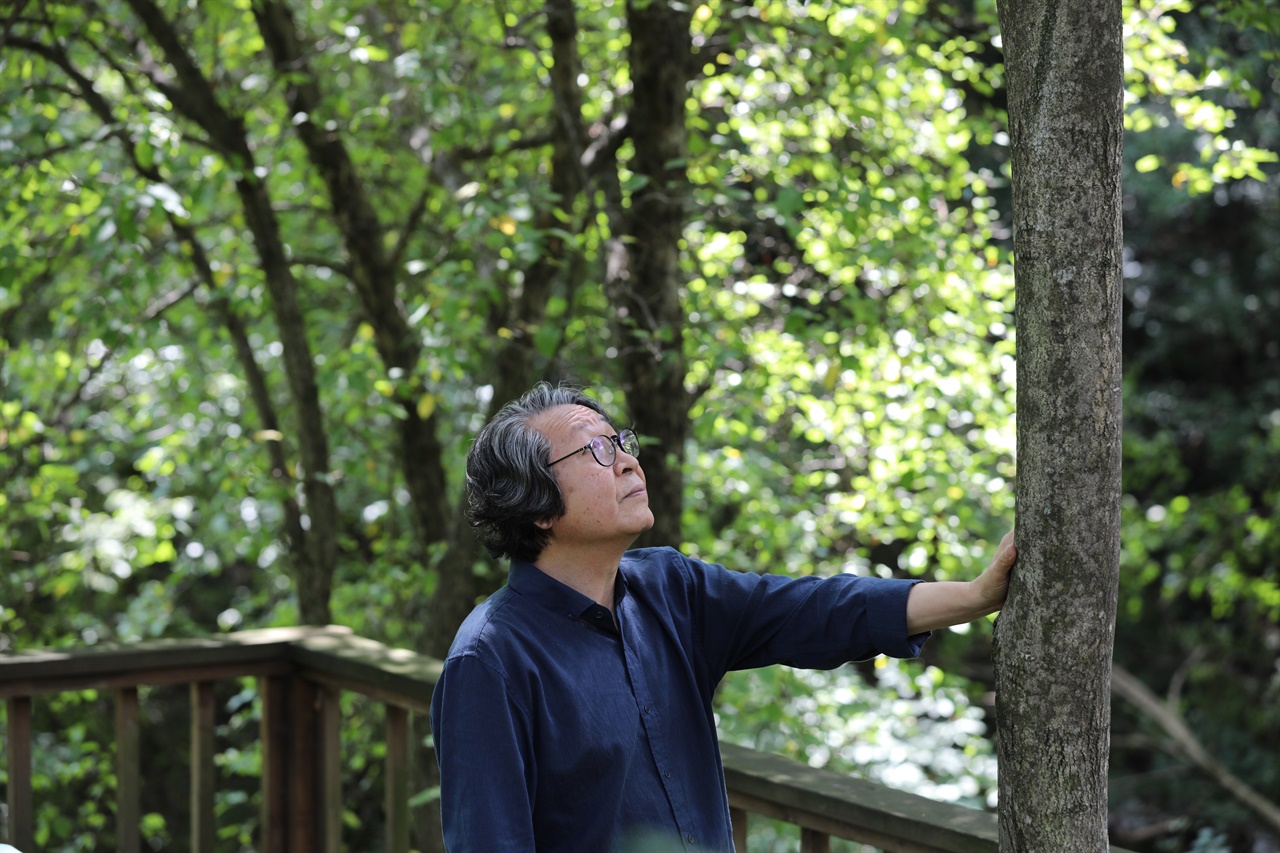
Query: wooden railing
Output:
(301,672)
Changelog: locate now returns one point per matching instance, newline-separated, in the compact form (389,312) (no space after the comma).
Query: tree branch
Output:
(373,276)
(1186,744)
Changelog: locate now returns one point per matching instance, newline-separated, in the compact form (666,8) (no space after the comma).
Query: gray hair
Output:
(510,486)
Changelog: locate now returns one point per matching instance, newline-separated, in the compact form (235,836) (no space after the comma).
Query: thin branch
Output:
(481,152)
(416,213)
(602,153)
(339,267)
(1179,678)
(11,21)
(164,303)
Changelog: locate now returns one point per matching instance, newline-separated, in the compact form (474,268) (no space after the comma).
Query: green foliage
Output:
(908,726)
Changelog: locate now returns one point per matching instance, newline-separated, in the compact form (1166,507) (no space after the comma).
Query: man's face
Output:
(601,505)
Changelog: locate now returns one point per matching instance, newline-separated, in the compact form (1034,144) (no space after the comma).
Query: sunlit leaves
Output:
(850,287)
(1169,86)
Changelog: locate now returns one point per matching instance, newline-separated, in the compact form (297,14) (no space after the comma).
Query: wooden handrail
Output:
(831,804)
(301,673)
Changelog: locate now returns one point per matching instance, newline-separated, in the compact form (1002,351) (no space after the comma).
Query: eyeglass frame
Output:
(613,442)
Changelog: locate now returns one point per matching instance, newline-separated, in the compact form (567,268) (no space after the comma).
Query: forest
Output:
(267,265)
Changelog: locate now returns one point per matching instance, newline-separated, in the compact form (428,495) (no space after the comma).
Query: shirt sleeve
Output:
(752,620)
(487,771)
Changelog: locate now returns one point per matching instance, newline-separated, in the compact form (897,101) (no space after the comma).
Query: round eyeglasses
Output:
(605,447)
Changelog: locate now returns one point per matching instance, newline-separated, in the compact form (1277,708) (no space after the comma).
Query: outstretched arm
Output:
(939,604)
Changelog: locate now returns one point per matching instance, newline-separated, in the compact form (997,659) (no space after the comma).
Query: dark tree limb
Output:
(371,270)
(193,95)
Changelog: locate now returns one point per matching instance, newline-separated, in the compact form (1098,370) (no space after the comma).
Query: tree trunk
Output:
(647,293)
(1064,66)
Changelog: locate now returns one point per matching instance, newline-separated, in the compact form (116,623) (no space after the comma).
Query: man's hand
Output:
(992,586)
(941,604)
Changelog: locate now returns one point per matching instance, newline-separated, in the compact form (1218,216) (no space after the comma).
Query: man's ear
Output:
(545,523)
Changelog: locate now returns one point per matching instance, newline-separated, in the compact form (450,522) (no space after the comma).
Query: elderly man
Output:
(575,709)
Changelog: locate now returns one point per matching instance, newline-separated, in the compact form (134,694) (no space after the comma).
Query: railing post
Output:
(21,820)
(397,779)
(331,769)
(292,763)
(128,780)
(203,833)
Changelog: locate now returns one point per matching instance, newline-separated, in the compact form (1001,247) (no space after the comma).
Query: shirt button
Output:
(666,774)
(689,838)
(646,709)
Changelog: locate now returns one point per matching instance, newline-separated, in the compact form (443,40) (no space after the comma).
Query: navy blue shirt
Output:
(559,729)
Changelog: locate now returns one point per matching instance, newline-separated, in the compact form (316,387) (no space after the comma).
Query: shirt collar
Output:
(528,580)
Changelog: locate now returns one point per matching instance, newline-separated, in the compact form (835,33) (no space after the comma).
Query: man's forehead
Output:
(568,420)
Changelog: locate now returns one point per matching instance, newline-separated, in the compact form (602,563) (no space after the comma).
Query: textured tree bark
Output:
(1064,67)
(647,290)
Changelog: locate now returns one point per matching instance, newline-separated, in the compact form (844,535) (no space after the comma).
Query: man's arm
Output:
(943,603)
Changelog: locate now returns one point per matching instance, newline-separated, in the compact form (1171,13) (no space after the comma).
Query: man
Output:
(575,708)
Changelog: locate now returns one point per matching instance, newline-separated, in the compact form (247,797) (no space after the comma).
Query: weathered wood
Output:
(128,774)
(397,779)
(834,827)
(852,808)
(304,768)
(331,769)
(813,841)
(203,831)
(842,807)
(274,692)
(739,818)
(411,701)
(110,682)
(21,814)
(108,666)
(348,662)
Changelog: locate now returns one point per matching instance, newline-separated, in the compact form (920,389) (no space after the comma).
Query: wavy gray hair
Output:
(510,486)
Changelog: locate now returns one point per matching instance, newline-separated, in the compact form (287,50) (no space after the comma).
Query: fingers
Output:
(1006,551)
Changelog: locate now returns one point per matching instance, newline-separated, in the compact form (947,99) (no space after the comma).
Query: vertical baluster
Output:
(203,834)
(275,736)
(331,769)
(397,779)
(21,818)
(305,766)
(128,778)
(812,841)
(738,818)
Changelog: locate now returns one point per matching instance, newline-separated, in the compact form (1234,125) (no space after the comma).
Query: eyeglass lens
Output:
(605,447)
